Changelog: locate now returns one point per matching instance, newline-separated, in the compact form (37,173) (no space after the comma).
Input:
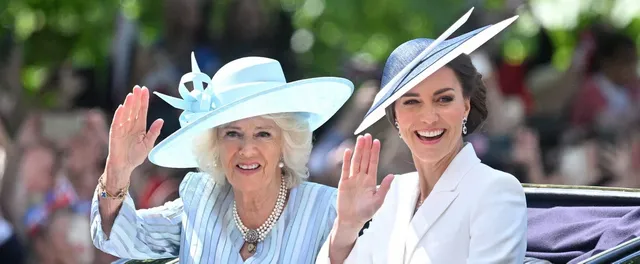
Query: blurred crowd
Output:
(578,126)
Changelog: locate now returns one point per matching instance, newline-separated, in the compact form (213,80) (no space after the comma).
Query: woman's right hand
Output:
(129,142)
(358,197)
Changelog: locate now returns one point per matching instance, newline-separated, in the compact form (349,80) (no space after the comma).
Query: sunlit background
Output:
(327,32)
(65,65)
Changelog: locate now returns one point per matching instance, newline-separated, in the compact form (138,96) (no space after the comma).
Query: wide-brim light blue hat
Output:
(415,60)
(244,88)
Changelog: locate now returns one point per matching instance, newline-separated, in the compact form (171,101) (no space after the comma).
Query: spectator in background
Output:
(11,247)
(85,155)
(64,239)
(553,89)
(608,97)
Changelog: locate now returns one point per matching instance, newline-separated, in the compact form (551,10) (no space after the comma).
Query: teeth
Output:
(248,167)
(433,133)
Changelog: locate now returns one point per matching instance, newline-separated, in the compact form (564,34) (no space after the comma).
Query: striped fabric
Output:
(199,227)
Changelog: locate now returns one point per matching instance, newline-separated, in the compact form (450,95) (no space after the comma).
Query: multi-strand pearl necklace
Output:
(253,236)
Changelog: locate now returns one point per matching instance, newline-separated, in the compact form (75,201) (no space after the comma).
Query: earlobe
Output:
(467,107)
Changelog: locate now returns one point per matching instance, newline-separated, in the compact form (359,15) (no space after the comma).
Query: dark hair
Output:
(472,87)
(610,45)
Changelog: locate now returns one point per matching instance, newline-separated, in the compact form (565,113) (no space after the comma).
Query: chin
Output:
(250,183)
(430,155)
(431,152)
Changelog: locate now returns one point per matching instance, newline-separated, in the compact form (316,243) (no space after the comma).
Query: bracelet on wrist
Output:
(103,193)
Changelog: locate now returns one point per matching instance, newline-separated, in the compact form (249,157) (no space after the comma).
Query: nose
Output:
(247,149)
(429,115)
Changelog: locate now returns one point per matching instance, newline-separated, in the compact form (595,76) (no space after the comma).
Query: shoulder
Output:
(197,183)
(489,179)
(490,187)
(315,191)
(314,197)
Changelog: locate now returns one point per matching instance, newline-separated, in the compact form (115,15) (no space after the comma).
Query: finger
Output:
(357,156)
(382,191)
(137,96)
(366,153)
(116,123)
(346,164)
(144,107)
(128,101)
(373,161)
(154,132)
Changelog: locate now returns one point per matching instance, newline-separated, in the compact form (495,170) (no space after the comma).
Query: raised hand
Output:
(358,196)
(129,141)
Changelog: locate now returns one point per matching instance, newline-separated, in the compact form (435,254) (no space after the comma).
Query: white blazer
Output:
(474,214)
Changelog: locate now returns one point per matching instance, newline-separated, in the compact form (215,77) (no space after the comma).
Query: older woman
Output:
(249,132)
(453,209)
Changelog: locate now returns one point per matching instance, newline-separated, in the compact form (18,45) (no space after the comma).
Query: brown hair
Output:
(472,87)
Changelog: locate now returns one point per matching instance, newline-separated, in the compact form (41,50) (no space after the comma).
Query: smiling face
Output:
(430,115)
(250,152)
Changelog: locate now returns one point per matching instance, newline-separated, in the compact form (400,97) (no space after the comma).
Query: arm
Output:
(346,245)
(350,247)
(137,234)
(357,201)
(499,223)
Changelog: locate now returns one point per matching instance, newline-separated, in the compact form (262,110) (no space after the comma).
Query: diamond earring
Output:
(464,126)
(398,127)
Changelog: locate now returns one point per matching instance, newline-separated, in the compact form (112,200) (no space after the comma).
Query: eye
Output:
(232,134)
(410,102)
(263,134)
(445,99)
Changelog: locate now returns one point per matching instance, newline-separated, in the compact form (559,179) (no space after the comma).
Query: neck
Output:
(254,207)
(430,172)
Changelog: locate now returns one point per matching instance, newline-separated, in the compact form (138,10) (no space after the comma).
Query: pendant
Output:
(251,247)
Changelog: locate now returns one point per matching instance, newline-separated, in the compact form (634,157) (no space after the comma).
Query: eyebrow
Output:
(411,95)
(443,90)
(435,93)
(258,127)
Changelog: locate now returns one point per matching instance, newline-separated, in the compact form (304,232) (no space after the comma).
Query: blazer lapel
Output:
(442,195)
(404,198)
(425,217)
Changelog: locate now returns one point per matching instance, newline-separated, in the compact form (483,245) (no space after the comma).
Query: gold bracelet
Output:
(120,195)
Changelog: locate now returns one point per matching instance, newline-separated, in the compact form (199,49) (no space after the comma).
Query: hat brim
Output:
(319,98)
(436,59)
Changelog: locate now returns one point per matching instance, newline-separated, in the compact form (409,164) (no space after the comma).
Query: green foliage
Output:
(374,28)
(53,31)
(80,31)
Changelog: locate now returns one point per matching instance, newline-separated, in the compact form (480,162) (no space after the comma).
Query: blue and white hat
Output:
(246,87)
(415,60)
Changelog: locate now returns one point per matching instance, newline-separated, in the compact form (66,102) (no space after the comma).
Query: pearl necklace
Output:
(251,236)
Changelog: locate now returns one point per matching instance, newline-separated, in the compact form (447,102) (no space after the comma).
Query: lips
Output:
(430,135)
(248,167)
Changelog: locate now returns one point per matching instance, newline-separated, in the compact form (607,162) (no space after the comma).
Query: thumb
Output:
(382,191)
(154,132)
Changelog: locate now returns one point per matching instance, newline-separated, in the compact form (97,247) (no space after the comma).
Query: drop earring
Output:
(281,164)
(464,126)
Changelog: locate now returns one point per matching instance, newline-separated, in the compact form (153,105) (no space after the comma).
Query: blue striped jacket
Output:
(199,228)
